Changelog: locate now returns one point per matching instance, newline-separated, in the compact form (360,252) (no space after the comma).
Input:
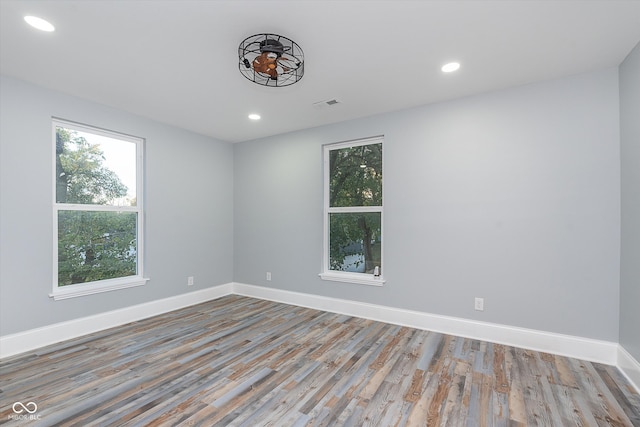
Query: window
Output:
(97,210)
(353,212)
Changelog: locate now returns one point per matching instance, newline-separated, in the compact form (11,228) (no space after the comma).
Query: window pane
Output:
(94,169)
(96,246)
(355,176)
(355,241)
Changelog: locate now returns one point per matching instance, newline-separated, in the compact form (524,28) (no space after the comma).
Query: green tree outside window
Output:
(355,208)
(94,243)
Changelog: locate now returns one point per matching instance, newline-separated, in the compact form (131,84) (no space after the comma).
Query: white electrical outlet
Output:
(479,304)
(268,276)
(190,281)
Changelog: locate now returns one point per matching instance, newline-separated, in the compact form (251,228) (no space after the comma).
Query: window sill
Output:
(73,291)
(357,278)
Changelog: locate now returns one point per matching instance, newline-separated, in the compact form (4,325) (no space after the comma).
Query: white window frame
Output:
(81,289)
(344,276)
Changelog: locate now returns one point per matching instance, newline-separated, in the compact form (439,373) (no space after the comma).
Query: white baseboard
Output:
(582,348)
(629,366)
(40,337)
(565,345)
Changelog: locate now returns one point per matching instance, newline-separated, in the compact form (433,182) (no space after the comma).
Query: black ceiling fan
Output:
(271,60)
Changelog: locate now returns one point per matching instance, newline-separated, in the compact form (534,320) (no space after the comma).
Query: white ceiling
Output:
(176,61)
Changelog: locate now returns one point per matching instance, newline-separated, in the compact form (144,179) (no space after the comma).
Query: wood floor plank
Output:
(517,411)
(239,361)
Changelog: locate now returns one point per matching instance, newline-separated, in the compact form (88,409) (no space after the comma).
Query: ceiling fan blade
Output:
(262,67)
(289,63)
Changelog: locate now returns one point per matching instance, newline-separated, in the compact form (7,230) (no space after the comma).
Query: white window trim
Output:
(99,286)
(344,276)
(355,278)
(82,289)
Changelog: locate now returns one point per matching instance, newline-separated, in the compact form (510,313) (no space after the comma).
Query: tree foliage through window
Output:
(94,243)
(355,208)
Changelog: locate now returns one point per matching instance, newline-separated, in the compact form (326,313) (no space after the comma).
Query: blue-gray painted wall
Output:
(513,196)
(189,208)
(630,159)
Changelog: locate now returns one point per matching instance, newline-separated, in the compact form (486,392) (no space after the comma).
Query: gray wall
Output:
(189,211)
(630,156)
(513,196)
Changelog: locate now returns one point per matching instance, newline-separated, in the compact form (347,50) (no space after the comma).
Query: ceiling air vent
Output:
(326,103)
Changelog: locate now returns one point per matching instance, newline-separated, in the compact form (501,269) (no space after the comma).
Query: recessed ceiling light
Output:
(254,116)
(39,23)
(450,67)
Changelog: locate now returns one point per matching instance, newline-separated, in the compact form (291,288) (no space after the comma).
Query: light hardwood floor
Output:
(240,361)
